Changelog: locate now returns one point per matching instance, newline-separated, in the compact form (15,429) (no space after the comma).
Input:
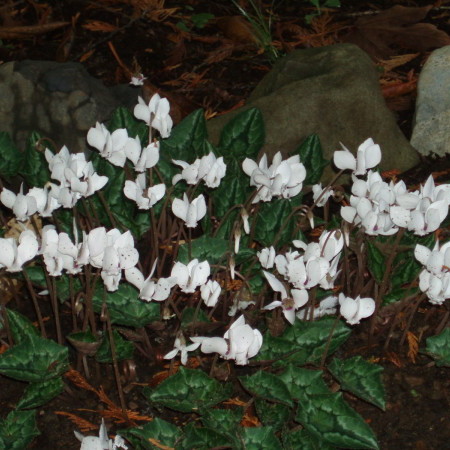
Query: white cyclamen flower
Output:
(144,197)
(289,303)
(110,145)
(367,157)
(189,212)
(281,179)
(148,289)
(326,307)
(138,79)
(155,114)
(181,347)
(266,257)
(210,293)
(240,342)
(142,158)
(101,442)
(23,206)
(324,194)
(14,255)
(192,275)
(353,310)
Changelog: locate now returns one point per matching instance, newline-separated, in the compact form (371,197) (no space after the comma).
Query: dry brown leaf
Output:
(82,424)
(99,25)
(30,31)
(413,346)
(398,26)
(396,61)
(237,29)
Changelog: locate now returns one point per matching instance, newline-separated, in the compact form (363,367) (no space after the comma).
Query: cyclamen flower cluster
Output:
(381,208)
(317,266)
(434,279)
(76,177)
(280,179)
(207,168)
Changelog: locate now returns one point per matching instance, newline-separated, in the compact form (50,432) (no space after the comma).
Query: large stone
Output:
(330,91)
(59,100)
(431,132)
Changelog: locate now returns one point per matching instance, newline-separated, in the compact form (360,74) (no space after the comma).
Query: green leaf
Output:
(124,349)
(187,140)
(311,156)
(243,136)
(438,347)
(303,382)
(309,340)
(375,261)
(268,386)
(275,415)
(360,378)
(164,433)
(204,248)
(200,20)
(260,438)
(21,327)
(85,342)
(123,118)
(35,359)
(329,418)
(203,438)
(125,307)
(225,421)
(398,294)
(188,314)
(38,394)
(188,390)
(18,430)
(12,158)
(35,167)
(303,440)
(272,216)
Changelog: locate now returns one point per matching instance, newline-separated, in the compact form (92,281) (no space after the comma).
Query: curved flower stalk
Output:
(281,179)
(240,342)
(144,197)
(23,206)
(101,442)
(148,289)
(14,254)
(189,277)
(155,114)
(181,347)
(434,279)
(111,251)
(189,212)
(110,145)
(208,168)
(142,158)
(368,156)
(353,310)
(289,303)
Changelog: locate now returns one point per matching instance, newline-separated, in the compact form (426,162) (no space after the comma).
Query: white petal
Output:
(343,160)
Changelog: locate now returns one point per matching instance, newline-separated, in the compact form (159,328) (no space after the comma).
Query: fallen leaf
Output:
(237,29)
(379,35)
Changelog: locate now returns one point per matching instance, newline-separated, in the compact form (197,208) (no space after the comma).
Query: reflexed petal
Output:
(300,297)
(422,253)
(181,273)
(7,253)
(400,216)
(348,213)
(276,284)
(366,307)
(249,166)
(135,277)
(212,345)
(343,160)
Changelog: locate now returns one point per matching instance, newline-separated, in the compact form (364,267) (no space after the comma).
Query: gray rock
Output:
(330,91)
(431,131)
(59,100)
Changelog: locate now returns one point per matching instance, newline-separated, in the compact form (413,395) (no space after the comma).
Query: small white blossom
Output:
(210,293)
(144,197)
(181,347)
(155,114)
(14,254)
(367,157)
(267,257)
(189,212)
(355,309)
(110,145)
(192,275)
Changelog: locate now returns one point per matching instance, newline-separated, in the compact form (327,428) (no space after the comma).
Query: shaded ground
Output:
(215,64)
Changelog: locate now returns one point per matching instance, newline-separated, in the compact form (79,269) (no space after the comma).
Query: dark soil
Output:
(215,67)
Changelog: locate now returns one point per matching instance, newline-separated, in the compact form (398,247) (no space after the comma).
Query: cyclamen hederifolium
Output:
(382,208)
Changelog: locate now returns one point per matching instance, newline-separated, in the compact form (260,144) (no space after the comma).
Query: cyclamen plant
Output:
(222,244)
